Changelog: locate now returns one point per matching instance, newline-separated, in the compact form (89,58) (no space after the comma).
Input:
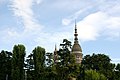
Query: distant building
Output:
(55,55)
(76,49)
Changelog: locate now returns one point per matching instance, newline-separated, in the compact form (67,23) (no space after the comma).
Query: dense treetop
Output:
(40,65)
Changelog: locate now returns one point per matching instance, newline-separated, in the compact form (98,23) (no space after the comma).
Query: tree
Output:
(118,67)
(66,67)
(49,59)
(30,67)
(64,53)
(93,75)
(2,65)
(5,65)
(18,62)
(117,72)
(99,62)
(39,62)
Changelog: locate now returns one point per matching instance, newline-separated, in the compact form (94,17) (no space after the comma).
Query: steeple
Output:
(55,48)
(76,48)
(75,39)
(55,55)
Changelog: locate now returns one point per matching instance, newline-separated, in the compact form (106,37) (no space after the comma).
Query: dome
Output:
(76,47)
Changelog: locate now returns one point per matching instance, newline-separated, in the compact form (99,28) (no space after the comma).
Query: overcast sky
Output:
(47,22)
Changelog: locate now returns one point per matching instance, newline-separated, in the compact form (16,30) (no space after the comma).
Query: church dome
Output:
(76,47)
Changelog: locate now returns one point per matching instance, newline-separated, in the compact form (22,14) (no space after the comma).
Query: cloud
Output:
(50,39)
(60,4)
(69,19)
(94,21)
(98,20)
(90,27)
(38,1)
(66,21)
(1,1)
(9,36)
(98,24)
(115,60)
(27,28)
(23,10)
(33,32)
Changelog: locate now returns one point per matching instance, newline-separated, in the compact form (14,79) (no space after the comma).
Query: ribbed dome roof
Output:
(76,47)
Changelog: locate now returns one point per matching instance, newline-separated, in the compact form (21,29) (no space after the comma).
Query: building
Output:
(55,55)
(76,49)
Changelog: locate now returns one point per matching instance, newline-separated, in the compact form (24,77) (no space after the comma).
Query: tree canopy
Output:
(39,65)
(18,58)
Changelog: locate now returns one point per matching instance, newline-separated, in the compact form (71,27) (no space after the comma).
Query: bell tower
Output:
(76,48)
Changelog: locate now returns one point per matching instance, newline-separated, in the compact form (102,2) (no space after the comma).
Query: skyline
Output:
(46,23)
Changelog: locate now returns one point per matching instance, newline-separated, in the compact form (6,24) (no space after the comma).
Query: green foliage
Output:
(99,62)
(30,75)
(18,62)
(118,67)
(40,65)
(39,62)
(49,59)
(117,72)
(96,61)
(93,75)
(5,65)
(30,62)
(2,65)
(64,53)
(30,67)
(66,67)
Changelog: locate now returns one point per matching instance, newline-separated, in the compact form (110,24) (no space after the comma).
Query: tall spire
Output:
(76,49)
(55,55)
(75,39)
(55,48)
(55,52)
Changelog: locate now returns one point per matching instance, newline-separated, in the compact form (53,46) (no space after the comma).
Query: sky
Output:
(47,22)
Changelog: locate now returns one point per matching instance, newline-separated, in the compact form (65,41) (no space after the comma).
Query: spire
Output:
(75,39)
(76,49)
(55,54)
(55,48)
(75,27)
